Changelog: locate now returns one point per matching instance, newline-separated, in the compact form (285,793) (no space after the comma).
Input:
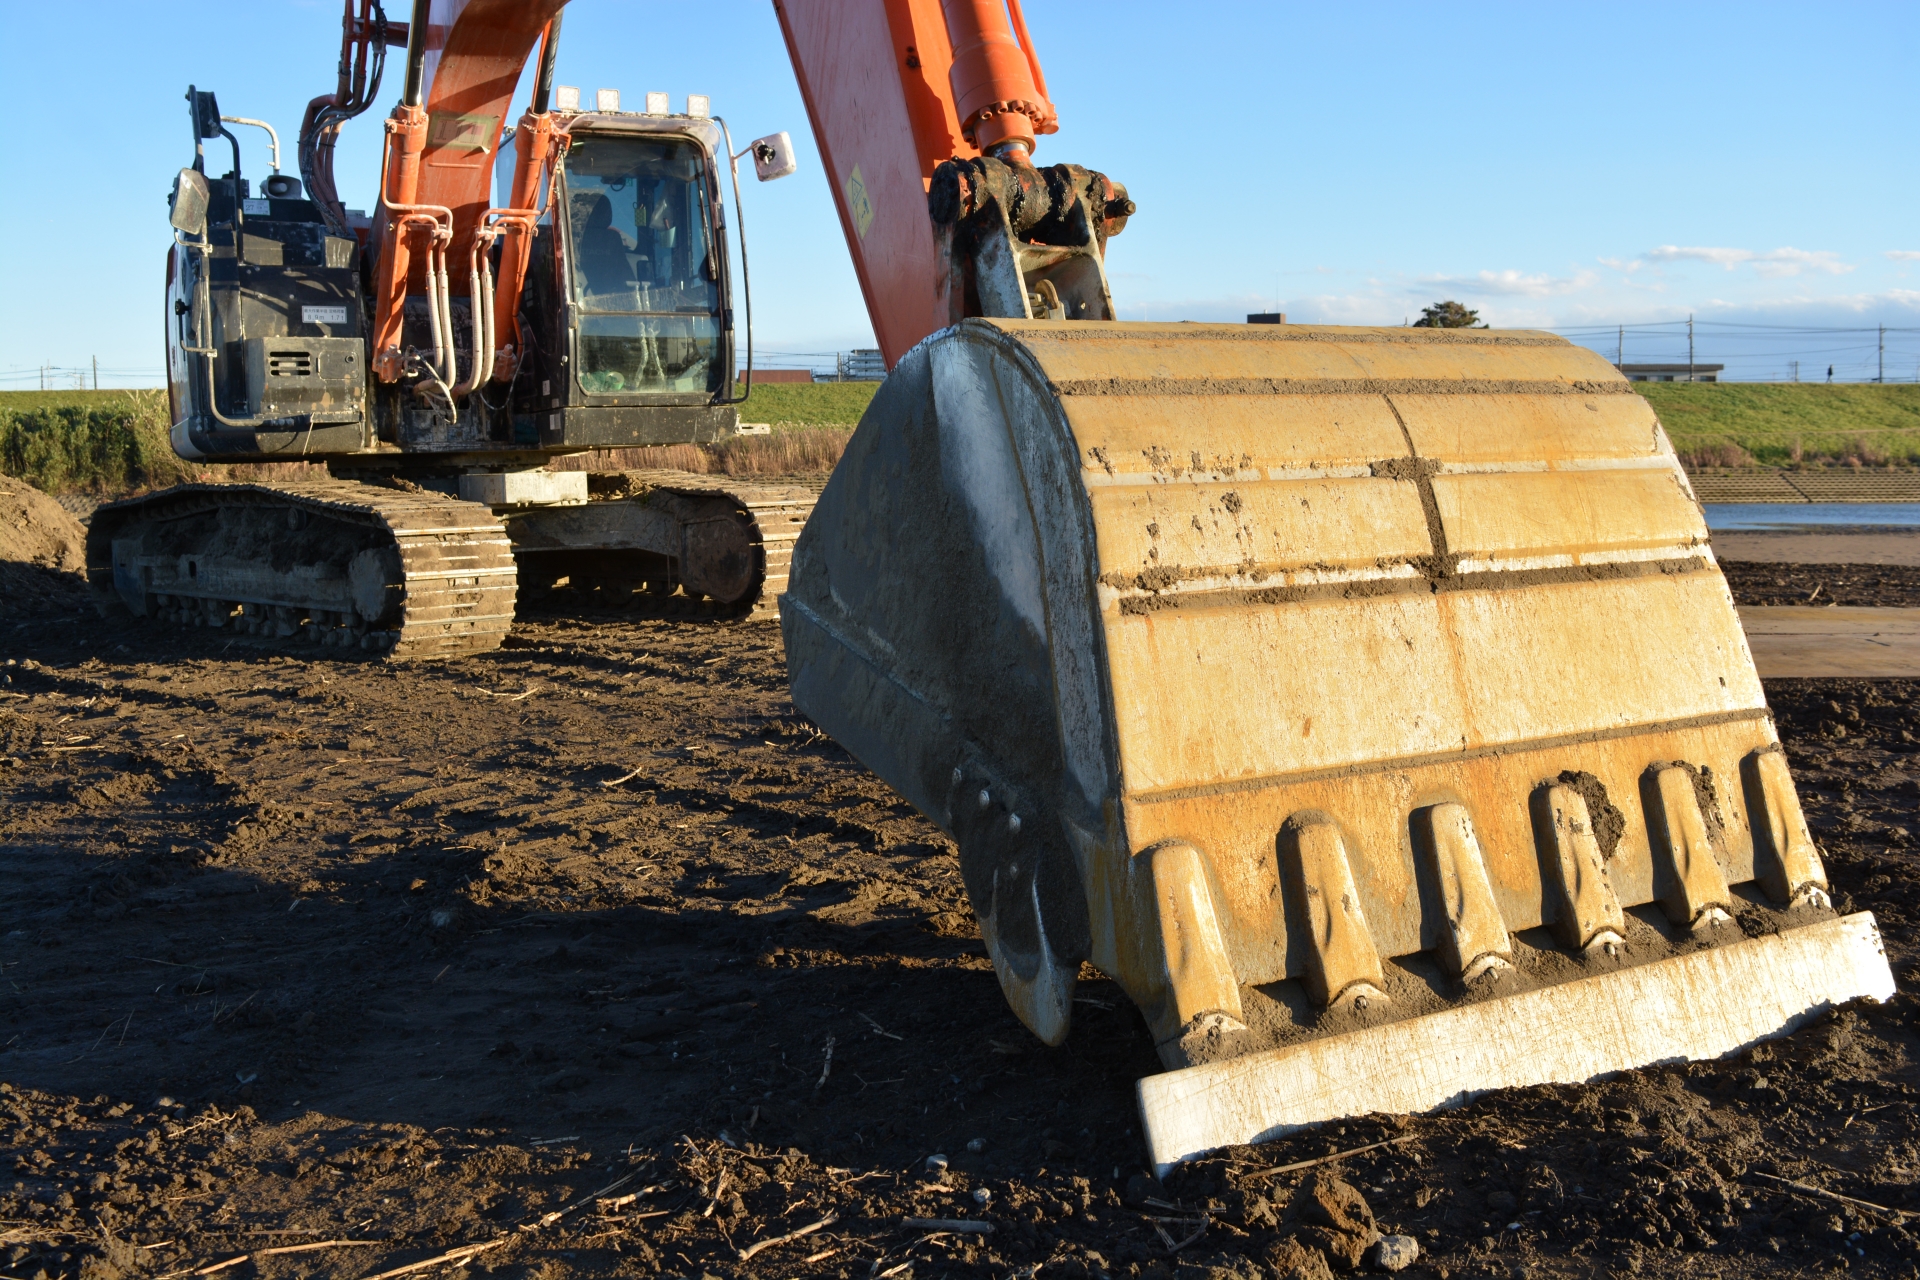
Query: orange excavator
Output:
(522,291)
(1366,703)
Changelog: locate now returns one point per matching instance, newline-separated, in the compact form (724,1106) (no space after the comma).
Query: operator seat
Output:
(604,265)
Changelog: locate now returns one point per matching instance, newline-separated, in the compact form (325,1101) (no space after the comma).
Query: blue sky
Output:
(1551,165)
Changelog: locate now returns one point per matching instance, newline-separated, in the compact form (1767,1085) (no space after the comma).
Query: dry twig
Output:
(960,1226)
(217,1267)
(826,1066)
(882,1030)
(1328,1159)
(1898,1215)
(461,1254)
(752,1249)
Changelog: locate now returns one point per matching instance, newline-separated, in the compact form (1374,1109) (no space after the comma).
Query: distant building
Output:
(860,366)
(1267,317)
(1670,372)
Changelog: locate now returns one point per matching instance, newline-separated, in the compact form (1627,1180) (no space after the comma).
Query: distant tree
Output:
(1448,315)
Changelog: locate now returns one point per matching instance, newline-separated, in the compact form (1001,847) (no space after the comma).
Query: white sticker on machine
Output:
(323,315)
(256,209)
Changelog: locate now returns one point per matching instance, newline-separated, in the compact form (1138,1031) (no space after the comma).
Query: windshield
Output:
(644,274)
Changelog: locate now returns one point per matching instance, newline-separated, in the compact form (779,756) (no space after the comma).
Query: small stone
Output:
(936,1163)
(1393,1253)
(981,1195)
(976,1145)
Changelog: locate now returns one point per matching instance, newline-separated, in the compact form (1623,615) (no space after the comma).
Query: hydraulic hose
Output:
(549,53)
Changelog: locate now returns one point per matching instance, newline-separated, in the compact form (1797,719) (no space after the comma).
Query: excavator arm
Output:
(927,115)
(464,59)
(1367,703)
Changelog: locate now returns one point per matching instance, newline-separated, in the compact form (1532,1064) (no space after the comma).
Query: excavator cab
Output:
(628,289)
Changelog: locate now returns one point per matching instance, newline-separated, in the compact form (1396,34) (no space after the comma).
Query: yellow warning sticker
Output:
(858,205)
(458,132)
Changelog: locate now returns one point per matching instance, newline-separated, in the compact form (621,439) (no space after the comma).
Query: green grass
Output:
(808,404)
(116,441)
(1781,424)
(17,400)
(1712,424)
(107,442)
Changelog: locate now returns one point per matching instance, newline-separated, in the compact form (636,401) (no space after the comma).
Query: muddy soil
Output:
(591,958)
(1883,585)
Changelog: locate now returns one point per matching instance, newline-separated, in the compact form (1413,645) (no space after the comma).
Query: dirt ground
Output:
(1895,585)
(590,958)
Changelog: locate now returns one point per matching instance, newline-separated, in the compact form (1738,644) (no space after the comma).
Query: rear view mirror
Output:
(772,156)
(189,203)
(206,113)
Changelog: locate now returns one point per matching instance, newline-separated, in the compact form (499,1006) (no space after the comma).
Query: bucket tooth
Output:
(1343,965)
(1473,937)
(1590,919)
(1696,894)
(1787,863)
(1202,994)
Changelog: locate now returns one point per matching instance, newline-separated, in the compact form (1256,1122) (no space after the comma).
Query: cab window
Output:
(644,277)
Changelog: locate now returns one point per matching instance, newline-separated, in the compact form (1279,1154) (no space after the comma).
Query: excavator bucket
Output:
(1367,703)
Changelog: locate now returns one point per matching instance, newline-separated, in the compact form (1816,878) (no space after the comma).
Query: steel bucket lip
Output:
(1706,1004)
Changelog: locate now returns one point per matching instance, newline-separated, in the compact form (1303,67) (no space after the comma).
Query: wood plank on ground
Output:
(1839,641)
(1819,548)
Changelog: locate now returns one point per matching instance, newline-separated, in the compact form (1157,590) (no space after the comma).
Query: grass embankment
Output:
(105,442)
(114,443)
(1784,424)
(808,404)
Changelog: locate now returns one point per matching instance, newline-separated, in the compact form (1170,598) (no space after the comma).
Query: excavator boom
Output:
(1367,703)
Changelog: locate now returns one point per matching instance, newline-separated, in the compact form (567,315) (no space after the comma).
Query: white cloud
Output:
(1510,284)
(1904,255)
(1771,264)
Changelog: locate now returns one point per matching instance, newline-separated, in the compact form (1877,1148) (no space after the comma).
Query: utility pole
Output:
(1796,370)
(1620,347)
(1689,347)
(96,373)
(1882,377)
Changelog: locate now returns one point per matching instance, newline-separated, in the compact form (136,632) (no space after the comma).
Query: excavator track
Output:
(688,545)
(777,512)
(403,573)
